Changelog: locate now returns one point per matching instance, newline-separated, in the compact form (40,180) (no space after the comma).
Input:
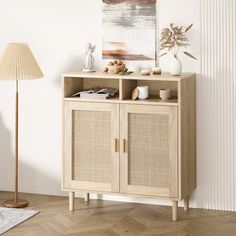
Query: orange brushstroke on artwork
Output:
(114,52)
(124,55)
(117,43)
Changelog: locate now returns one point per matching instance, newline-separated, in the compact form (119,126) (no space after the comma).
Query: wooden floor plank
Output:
(109,218)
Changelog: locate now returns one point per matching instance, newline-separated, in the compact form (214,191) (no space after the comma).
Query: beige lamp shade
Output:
(18,63)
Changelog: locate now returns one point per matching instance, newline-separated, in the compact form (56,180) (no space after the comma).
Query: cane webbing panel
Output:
(148,150)
(91,146)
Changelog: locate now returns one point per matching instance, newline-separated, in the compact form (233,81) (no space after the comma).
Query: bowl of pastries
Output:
(114,67)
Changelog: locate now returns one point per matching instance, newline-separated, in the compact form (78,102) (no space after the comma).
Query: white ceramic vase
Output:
(176,66)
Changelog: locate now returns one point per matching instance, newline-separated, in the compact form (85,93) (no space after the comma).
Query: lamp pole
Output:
(16,144)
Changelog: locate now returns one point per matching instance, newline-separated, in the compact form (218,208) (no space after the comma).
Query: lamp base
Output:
(19,204)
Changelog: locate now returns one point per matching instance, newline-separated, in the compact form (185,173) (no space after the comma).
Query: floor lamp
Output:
(18,63)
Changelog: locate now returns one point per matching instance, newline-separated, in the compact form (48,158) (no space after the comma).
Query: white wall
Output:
(216,105)
(57,31)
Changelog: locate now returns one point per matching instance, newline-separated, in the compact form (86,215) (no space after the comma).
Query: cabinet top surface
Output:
(134,76)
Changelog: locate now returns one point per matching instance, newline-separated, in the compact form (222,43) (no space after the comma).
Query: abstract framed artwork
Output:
(129,32)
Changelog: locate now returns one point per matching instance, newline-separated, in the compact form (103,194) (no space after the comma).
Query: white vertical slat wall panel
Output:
(216,106)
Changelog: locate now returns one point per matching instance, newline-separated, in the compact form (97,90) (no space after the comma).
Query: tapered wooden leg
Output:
(71,201)
(174,210)
(186,203)
(86,197)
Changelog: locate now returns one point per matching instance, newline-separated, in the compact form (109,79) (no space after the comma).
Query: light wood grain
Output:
(115,154)
(67,147)
(126,88)
(134,76)
(173,151)
(86,197)
(187,135)
(71,86)
(71,201)
(152,100)
(181,112)
(144,190)
(174,210)
(93,83)
(186,203)
(111,218)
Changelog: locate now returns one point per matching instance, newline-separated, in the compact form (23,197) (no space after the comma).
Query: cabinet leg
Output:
(71,201)
(86,198)
(186,203)
(174,210)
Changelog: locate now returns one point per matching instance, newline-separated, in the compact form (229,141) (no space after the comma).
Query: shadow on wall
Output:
(6,158)
(31,180)
(35,180)
(73,65)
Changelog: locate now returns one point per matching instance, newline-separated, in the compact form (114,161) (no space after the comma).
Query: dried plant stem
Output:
(173,39)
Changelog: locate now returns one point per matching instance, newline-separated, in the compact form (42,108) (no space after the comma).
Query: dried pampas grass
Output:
(173,38)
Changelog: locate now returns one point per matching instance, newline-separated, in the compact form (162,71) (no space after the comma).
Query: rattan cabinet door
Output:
(91,158)
(148,162)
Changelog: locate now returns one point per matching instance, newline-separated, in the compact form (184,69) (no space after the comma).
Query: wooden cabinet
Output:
(121,146)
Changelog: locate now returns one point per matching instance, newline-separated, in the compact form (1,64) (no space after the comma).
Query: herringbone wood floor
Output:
(107,218)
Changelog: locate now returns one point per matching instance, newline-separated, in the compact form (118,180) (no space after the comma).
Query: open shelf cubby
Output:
(73,85)
(76,82)
(154,86)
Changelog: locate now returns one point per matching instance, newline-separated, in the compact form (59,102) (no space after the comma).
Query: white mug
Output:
(165,94)
(142,92)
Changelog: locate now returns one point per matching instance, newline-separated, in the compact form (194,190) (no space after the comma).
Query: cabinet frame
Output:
(183,89)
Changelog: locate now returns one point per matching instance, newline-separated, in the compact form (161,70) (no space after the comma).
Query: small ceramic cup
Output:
(142,92)
(165,94)
(156,70)
(145,72)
